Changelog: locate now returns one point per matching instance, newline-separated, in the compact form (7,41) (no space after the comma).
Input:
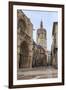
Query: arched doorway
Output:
(23,62)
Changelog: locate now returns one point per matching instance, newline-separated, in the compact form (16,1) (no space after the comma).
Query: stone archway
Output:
(23,62)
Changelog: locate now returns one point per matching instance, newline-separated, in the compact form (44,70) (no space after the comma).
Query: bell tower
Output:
(41,36)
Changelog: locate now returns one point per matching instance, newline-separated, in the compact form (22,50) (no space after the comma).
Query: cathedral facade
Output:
(24,41)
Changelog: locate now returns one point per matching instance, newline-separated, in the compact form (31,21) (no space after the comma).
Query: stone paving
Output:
(37,73)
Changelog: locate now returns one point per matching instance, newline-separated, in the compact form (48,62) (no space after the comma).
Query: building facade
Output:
(39,56)
(24,41)
(54,47)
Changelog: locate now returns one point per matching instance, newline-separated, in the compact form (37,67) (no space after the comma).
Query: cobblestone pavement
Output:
(37,73)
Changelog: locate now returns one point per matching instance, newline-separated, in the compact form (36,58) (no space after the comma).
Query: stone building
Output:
(54,47)
(42,60)
(42,36)
(24,41)
(40,48)
(30,54)
(39,56)
(42,40)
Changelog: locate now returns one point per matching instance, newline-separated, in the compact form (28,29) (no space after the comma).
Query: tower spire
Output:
(41,24)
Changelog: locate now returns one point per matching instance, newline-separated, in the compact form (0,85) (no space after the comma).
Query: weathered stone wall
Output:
(39,56)
(54,50)
(24,35)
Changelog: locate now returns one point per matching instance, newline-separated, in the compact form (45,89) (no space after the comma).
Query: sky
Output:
(48,17)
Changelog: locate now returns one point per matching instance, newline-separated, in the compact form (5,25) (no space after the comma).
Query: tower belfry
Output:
(41,36)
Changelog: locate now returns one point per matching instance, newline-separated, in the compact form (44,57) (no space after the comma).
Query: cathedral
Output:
(29,53)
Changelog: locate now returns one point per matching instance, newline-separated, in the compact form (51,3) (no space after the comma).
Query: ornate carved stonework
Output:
(24,41)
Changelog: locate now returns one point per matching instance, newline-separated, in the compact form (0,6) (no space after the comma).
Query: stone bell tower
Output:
(42,36)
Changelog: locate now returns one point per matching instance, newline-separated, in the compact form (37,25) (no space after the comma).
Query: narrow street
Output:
(37,73)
